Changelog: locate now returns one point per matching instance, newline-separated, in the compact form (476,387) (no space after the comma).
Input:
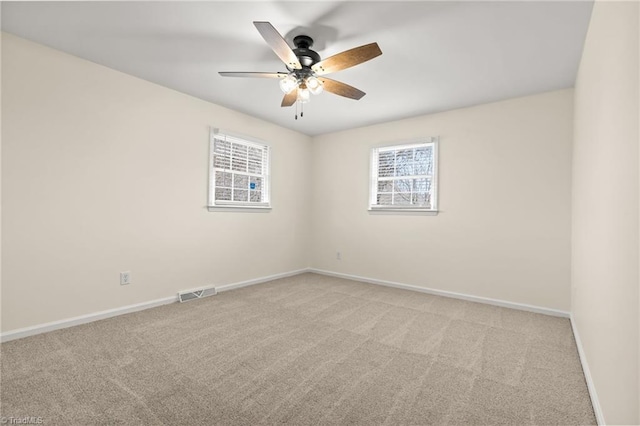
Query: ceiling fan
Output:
(306,70)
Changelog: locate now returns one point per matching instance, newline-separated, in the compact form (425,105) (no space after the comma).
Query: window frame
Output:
(229,205)
(374,176)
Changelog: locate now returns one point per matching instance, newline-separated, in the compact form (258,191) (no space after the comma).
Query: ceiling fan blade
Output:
(347,59)
(341,89)
(278,44)
(290,98)
(254,74)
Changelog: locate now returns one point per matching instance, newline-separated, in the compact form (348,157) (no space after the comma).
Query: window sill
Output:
(402,211)
(231,208)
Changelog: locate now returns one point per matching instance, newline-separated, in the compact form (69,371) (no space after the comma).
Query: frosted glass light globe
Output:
(288,83)
(314,85)
(303,95)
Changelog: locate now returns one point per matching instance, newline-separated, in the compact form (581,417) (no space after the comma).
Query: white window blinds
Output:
(239,172)
(404,176)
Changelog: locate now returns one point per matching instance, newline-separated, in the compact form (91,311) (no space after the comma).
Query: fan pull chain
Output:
(301,109)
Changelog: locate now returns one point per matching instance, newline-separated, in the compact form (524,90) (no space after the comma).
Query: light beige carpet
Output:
(303,350)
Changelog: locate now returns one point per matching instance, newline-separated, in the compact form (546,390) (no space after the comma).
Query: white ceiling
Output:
(436,55)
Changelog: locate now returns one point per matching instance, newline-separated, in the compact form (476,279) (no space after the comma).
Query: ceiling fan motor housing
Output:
(306,56)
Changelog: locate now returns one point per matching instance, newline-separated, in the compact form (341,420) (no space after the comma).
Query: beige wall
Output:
(103,172)
(605,262)
(503,231)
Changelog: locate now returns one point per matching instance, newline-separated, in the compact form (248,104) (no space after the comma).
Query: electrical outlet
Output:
(338,255)
(125,278)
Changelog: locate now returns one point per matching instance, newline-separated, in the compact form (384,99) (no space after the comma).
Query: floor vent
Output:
(196,294)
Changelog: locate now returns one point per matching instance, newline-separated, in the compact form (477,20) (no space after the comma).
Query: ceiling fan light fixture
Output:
(314,85)
(288,83)
(303,95)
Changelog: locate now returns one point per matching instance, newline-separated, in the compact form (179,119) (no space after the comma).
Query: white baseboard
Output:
(83,319)
(595,402)
(260,280)
(496,302)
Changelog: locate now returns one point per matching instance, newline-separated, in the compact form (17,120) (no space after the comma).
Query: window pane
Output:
(404,162)
(239,158)
(255,196)
(255,154)
(420,185)
(223,179)
(429,193)
(240,181)
(402,185)
(223,194)
(386,164)
(422,199)
(222,155)
(255,160)
(402,198)
(385,199)
(221,162)
(385,186)
(422,158)
(255,167)
(255,183)
(240,195)
(430,160)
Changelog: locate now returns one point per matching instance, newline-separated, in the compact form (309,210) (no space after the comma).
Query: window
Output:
(405,177)
(238,172)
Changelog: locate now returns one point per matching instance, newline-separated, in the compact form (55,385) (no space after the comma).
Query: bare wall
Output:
(605,247)
(103,172)
(503,230)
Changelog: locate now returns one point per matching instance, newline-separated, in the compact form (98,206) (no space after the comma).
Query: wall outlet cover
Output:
(125,278)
